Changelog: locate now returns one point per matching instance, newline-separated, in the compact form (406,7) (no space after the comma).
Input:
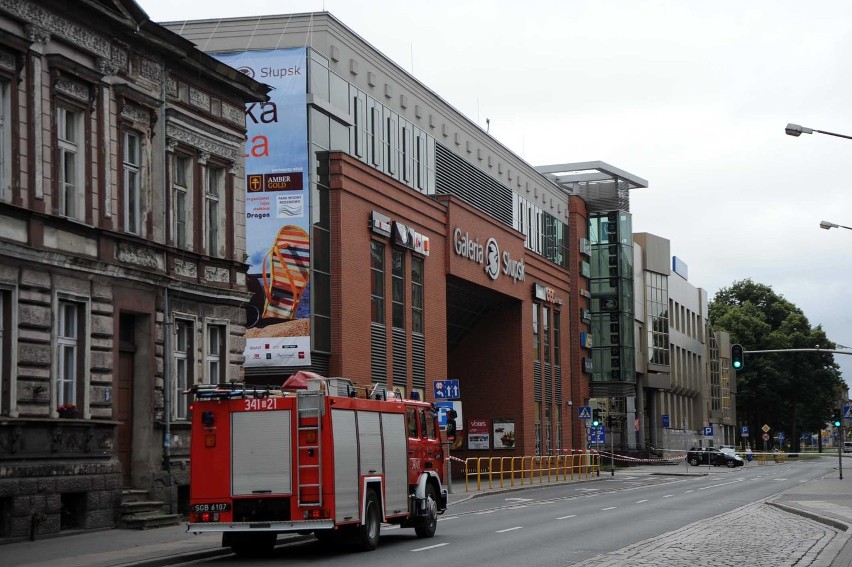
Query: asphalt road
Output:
(566,524)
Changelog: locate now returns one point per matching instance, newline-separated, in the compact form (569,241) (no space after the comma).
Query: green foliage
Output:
(792,392)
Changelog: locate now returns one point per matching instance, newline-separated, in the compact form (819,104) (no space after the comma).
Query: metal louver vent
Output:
(378,354)
(400,357)
(418,362)
(454,176)
(537,380)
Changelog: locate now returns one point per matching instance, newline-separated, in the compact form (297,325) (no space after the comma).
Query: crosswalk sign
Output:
(847,412)
(584,412)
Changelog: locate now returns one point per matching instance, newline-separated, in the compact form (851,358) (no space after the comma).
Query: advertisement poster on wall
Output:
(478,434)
(277,199)
(504,433)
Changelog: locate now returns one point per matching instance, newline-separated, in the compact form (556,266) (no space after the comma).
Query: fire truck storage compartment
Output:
(358,450)
(261,462)
(396,460)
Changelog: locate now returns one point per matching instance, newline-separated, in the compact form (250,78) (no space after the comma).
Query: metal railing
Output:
(512,471)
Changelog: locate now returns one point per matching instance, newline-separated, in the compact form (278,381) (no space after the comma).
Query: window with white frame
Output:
(131,166)
(69,348)
(181,196)
(69,130)
(183,378)
(5,141)
(213,201)
(215,357)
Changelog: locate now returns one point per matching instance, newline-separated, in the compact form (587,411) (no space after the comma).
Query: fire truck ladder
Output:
(309,419)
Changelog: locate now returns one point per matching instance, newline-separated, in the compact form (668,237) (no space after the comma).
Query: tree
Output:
(791,392)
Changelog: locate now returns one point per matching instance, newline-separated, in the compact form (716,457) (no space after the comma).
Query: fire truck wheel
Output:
(430,521)
(254,545)
(368,538)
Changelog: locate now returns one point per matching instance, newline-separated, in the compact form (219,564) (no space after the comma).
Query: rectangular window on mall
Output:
(417,295)
(377,282)
(398,288)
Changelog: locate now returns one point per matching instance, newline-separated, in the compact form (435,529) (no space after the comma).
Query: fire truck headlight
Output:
(208,418)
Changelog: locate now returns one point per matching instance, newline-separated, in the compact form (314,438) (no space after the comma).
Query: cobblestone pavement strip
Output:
(755,535)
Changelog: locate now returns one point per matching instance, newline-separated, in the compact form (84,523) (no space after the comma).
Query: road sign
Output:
(708,431)
(597,435)
(744,431)
(666,422)
(584,412)
(781,436)
(442,413)
(765,428)
(447,389)
(847,412)
(765,436)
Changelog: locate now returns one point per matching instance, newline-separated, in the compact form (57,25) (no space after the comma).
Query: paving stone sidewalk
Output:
(755,535)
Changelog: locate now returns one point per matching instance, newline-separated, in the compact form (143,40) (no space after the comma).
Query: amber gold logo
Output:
(255,183)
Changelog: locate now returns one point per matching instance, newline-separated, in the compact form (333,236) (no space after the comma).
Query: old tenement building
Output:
(121,254)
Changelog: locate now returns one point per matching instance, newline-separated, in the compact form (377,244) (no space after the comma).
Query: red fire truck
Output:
(318,458)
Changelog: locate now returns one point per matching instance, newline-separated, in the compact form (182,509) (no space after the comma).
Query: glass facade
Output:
(545,234)
(611,286)
(657,324)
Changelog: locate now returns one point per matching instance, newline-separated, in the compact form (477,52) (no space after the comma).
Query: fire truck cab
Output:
(321,459)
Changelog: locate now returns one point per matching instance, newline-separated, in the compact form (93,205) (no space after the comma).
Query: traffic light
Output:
(596,417)
(737,361)
(836,418)
(451,424)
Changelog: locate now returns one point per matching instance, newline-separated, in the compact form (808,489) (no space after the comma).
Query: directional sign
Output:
(847,412)
(708,431)
(584,412)
(447,389)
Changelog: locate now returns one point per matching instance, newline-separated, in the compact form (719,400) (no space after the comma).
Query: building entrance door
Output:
(124,412)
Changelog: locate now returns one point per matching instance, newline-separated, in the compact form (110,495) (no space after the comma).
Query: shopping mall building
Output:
(414,248)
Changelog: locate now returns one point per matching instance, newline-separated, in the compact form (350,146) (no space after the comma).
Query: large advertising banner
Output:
(278,243)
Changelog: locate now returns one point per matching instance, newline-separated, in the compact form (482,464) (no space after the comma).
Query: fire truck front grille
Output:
(262,509)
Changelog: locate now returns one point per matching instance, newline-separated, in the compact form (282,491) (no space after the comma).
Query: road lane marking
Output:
(430,547)
(485,512)
(610,508)
(445,518)
(519,499)
(566,517)
(509,529)
(640,501)
(668,495)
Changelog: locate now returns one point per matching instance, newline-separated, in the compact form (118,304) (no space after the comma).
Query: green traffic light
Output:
(737,364)
(836,424)
(596,423)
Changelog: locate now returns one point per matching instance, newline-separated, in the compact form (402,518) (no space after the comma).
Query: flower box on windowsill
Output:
(67,412)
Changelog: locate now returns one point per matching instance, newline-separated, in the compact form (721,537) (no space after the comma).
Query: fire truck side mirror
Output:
(451,428)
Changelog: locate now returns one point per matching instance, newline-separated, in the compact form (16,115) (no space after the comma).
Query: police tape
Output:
(627,459)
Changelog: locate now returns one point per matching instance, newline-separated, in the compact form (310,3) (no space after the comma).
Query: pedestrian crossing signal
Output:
(737,361)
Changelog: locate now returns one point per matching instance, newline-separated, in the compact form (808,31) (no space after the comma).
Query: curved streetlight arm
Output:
(828,225)
(797,130)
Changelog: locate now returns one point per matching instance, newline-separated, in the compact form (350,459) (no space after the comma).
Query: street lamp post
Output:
(828,225)
(796,130)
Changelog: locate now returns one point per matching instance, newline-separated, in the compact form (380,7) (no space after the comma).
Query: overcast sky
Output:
(691,96)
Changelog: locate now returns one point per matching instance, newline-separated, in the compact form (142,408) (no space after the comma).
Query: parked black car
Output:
(700,455)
